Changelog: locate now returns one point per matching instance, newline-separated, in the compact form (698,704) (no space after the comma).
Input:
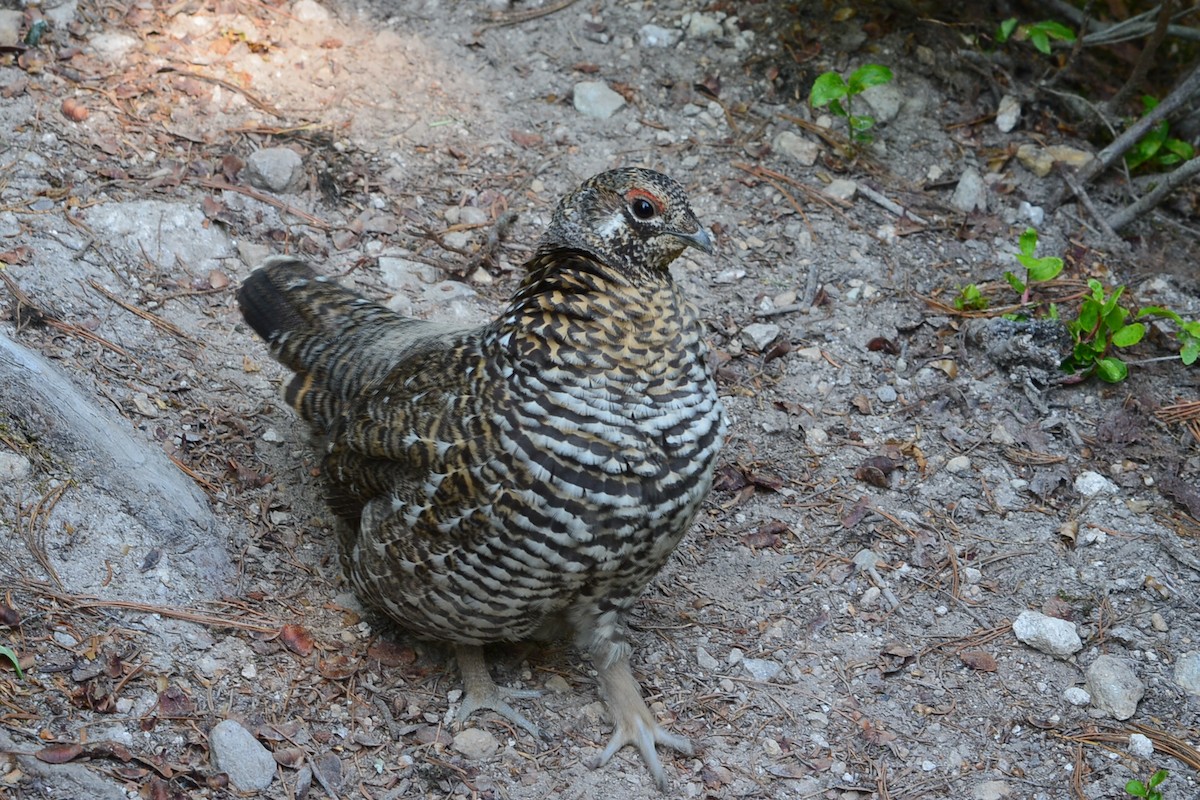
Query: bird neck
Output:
(579,307)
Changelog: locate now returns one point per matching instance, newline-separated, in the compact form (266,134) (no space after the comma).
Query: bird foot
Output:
(481,692)
(634,724)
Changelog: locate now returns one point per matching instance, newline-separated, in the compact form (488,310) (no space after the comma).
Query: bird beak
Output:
(699,240)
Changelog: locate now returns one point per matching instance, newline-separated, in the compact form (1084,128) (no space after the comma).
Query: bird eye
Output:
(642,208)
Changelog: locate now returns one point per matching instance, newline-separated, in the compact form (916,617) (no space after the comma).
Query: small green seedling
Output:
(831,90)
(1044,268)
(1188,333)
(1158,148)
(1148,790)
(11,655)
(1039,34)
(1101,326)
(970,299)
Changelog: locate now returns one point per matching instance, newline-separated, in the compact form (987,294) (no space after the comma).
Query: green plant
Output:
(1148,789)
(1042,268)
(1039,34)
(1158,148)
(970,299)
(1101,326)
(1188,333)
(11,655)
(831,89)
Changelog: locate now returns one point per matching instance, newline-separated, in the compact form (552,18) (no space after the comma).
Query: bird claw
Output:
(633,723)
(643,733)
(481,692)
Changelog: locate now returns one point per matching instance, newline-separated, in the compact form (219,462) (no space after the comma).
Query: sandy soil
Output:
(901,482)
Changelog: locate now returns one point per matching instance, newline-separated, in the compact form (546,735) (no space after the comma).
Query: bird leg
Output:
(634,723)
(480,691)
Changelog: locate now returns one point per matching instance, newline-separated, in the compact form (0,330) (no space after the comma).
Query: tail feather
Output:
(335,341)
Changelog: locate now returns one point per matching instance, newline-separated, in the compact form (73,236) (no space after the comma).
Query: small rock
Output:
(595,99)
(252,254)
(271,435)
(795,146)
(656,36)
(762,669)
(557,684)
(14,467)
(705,660)
(1035,214)
(1090,484)
(735,655)
(1115,687)
(236,752)
(1008,114)
(958,464)
(970,194)
(1187,672)
(476,744)
(1001,436)
(841,189)
(275,169)
(992,790)
(1076,696)
(1040,160)
(700,26)
(1140,745)
(870,597)
(885,101)
(310,11)
(760,335)
(1158,623)
(886,394)
(11,20)
(1056,637)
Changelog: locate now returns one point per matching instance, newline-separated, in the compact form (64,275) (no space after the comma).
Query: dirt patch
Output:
(901,483)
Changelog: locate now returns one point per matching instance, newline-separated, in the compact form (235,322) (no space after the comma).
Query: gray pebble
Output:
(476,744)
(1187,672)
(595,99)
(1050,635)
(275,169)
(236,752)
(1115,687)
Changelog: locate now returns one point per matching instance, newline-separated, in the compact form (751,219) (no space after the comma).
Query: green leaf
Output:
(11,655)
(1005,31)
(827,88)
(1129,335)
(866,76)
(1111,370)
(837,109)
(861,124)
(1028,242)
(1159,311)
(1157,778)
(1017,285)
(1039,39)
(1147,146)
(1044,269)
(1055,30)
(1111,303)
(1189,352)
(1089,315)
(1180,148)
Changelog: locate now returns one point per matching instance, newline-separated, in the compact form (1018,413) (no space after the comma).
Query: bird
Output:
(523,479)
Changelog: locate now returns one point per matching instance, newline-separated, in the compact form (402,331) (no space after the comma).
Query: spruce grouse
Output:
(527,478)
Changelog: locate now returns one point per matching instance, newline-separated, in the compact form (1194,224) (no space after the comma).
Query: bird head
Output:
(631,218)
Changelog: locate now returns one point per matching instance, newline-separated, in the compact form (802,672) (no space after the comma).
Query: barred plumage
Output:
(529,477)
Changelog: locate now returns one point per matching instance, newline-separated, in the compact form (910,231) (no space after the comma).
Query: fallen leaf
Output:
(297,639)
(59,753)
(978,660)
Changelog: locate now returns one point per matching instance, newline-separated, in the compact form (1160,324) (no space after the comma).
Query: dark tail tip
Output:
(263,296)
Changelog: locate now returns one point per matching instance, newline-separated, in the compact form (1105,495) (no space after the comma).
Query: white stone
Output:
(702,26)
(275,169)
(885,100)
(760,335)
(762,669)
(1056,637)
(656,36)
(1090,484)
(1140,745)
(310,11)
(1114,686)
(971,193)
(1008,114)
(841,188)
(1076,696)
(705,659)
(14,467)
(11,20)
(236,752)
(992,790)
(476,744)
(958,464)
(804,151)
(1187,672)
(595,99)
